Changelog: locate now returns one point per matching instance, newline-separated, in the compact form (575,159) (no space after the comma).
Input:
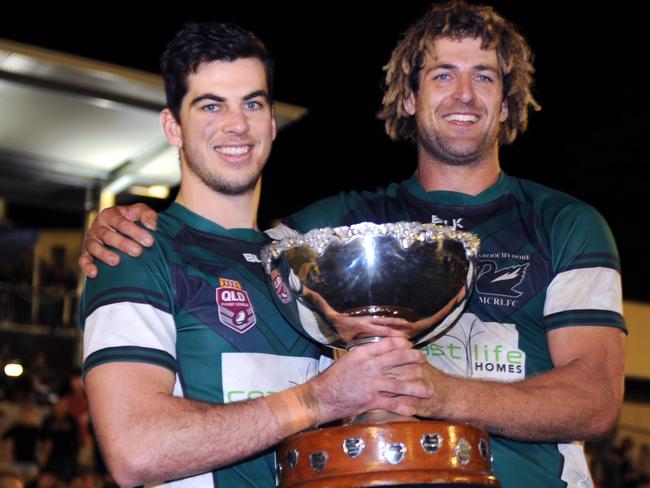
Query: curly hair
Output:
(458,20)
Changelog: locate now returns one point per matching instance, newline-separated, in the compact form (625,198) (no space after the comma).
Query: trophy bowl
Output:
(349,285)
(417,277)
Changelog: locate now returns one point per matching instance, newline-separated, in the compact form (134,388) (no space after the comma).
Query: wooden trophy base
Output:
(387,454)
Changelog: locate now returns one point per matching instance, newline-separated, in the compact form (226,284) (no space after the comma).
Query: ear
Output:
(273,122)
(504,111)
(409,104)
(171,128)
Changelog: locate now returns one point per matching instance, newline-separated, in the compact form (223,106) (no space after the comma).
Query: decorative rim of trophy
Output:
(406,232)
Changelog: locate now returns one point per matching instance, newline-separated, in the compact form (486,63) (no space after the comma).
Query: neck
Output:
(230,212)
(470,179)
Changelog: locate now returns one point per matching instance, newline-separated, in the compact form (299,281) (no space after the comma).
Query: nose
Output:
(464,89)
(236,122)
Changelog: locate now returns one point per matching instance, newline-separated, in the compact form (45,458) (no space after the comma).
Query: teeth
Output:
(233,150)
(461,118)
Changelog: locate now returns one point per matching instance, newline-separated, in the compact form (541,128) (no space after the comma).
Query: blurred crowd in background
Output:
(48,442)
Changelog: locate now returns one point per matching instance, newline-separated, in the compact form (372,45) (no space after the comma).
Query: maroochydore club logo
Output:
(500,285)
(502,282)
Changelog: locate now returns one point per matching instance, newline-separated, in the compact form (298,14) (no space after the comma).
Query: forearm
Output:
(176,437)
(148,435)
(567,403)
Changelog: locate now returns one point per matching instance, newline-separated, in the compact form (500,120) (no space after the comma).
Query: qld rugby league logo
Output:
(235,307)
(280,288)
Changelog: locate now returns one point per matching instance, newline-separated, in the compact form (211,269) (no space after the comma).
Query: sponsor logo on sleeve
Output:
(235,309)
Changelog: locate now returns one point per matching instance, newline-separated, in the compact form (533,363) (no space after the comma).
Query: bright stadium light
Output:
(13,369)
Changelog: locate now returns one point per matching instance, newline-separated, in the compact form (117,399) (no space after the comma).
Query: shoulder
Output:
(575,233)
(143,278)
(540,195)
(153,261)
(558,210)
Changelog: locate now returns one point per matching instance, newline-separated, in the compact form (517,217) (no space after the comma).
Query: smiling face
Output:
(226,126)
(459,103)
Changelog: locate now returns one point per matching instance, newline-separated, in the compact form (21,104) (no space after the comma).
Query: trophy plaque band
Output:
(404,453)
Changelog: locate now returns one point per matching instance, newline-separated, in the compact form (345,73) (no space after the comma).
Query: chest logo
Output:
(235,307)
(501,282)
(280,288)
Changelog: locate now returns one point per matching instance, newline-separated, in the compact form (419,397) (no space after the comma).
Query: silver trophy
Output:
(345,286)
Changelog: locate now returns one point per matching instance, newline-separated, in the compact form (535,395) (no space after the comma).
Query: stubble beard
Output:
(442,150)
(219,184)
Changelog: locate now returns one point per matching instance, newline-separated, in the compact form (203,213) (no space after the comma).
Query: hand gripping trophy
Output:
(333,284)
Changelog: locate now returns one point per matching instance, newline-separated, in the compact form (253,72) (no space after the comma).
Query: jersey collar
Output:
(498,189)
(201,223)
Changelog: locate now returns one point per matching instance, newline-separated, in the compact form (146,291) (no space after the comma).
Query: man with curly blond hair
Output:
(457,21)
(537,358)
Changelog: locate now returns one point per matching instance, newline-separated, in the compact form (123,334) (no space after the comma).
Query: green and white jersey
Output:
(197,303)
(546,261)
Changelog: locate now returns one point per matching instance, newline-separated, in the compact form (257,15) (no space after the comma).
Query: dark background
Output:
(591,83)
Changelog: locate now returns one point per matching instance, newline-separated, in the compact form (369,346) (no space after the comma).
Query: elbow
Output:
(125,477)
(602,422)
(604,407)
(127,464)
(599,430)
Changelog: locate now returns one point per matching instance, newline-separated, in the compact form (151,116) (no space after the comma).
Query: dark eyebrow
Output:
(258,93)
(207,96)
(215,98)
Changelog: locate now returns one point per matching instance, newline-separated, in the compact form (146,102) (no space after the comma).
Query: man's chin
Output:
(455,152)
(235,188)
(456,156)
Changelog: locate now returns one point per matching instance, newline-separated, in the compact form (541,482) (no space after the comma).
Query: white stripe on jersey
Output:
(575,471)
(204,480)
(129,324)
(585,289)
